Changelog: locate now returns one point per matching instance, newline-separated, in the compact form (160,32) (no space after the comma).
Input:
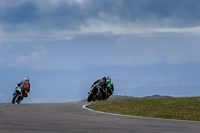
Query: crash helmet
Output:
(108,79)
(26,79)
(104,78)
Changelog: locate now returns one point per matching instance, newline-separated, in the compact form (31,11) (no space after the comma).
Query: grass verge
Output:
(187,108)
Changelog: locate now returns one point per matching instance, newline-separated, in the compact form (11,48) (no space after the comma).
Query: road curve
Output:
(72,118)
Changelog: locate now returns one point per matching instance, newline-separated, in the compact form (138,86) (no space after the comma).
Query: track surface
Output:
(72,118)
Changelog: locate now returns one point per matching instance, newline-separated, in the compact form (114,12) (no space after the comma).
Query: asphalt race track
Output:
(72,118)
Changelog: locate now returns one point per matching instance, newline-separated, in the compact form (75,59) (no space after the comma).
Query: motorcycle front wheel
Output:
(90,97)
(14,100)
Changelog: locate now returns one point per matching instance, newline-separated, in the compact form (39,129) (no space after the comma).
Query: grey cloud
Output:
(30,15)
(21,13)
(69,16)
(60,19)
(180,12)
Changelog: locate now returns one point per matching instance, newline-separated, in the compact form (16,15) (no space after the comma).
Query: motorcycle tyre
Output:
(90,97)
(14,100)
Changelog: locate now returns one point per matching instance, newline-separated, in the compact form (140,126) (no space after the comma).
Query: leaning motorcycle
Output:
(17,96)
(95,94)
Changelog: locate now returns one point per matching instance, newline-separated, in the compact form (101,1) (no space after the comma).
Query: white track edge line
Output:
(84,107)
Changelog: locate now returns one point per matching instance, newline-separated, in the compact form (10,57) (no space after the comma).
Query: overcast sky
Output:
(81,34)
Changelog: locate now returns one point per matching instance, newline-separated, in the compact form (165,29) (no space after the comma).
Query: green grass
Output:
(169,108)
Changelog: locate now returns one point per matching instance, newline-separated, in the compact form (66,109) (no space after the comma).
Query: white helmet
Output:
(26,79)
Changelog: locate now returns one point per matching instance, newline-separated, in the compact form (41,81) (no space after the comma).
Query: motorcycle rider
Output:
(24,85)
(110,87)
(102,84)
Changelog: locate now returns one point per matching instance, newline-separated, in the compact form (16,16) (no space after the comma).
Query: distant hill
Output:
(115,97)
(156,96)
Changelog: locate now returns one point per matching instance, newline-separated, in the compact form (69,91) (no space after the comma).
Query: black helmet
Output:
(104,78)
(108,79)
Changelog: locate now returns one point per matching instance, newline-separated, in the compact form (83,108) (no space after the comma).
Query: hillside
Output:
(183,108)
(117,97)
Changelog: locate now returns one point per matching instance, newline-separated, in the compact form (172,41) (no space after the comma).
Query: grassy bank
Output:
(169,108)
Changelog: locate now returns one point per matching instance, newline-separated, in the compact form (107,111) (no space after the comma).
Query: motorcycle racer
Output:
(24,85)
(102,85)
